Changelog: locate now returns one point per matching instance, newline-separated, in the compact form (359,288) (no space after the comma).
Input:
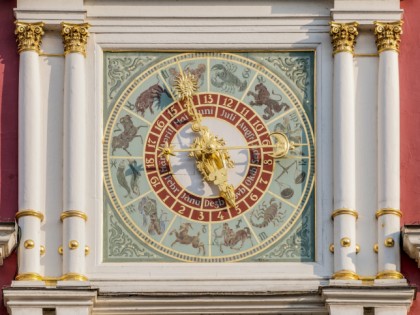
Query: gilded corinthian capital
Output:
(343,36)
(388,35)
(29,36)
(75,37)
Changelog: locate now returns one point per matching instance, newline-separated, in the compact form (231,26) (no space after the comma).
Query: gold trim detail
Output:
(73,244)
(29,212)
(73,213)
(388,35)
(376,248)
(73,277)
(345,242)
(29,276)
(343,36)
(389,242)
(87,250)
(75,37)
(331,248)
(341,211)
(384,211)
(60,250)
(345,275)
(42,250)
(357,248)
(389,274)
(29,244)
(29,36)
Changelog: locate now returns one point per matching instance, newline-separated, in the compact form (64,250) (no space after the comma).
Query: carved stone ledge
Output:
(411,241)
(8,239)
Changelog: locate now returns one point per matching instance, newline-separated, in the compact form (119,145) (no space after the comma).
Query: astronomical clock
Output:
(209,156)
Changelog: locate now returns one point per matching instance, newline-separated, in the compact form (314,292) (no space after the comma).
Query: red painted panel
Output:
(410,129)
(9,67)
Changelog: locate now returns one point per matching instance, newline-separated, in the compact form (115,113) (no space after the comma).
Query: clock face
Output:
(253,106)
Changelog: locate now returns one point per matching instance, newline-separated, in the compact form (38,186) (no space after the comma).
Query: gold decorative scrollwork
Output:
(343,36)
(75,37)
(388,35)
(29,36)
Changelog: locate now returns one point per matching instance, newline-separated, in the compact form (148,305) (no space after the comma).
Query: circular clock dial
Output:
(166,202)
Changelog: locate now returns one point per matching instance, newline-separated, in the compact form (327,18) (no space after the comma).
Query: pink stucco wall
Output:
(410,131)
(9,66)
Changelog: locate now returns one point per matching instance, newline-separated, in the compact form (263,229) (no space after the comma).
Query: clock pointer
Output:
(211,159)
(281,148)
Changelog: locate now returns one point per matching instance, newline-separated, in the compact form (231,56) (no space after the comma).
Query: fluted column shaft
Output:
(31,194)
(74,168)
(388,214)
(344,215)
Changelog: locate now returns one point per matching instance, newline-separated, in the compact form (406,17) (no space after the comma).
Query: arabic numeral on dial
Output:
(208,99)
(254,197)
(220,216)
(201,216)
(268,162)
(159,125)
(228,102)
(151,143)
(150,162)
(182,210)
(262,181)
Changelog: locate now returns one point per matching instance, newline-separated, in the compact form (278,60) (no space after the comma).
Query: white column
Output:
(388,214)
(397,310)
(26,311)
(72,310)
(31,194)
(74,168)
(344,215)
(346,310)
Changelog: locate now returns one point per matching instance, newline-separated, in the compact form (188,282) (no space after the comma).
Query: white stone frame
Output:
(264,34)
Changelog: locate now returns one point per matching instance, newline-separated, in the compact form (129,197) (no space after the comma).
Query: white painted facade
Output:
(354,161)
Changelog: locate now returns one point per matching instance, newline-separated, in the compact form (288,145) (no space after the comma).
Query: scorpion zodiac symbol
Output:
(270,213)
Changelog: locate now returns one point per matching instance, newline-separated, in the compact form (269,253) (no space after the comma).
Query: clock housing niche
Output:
(158,208)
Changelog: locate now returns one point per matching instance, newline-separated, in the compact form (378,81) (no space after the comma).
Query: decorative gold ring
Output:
(29,213)
(384,211)
(29,276)
(73,277)
(345,211)
(345,275)
(73,213)
(389,274)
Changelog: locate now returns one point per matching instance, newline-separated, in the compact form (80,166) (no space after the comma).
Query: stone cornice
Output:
(411,241)
(8,239)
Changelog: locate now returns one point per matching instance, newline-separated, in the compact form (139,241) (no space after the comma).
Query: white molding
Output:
(8,239)
(411,241)
(369,296)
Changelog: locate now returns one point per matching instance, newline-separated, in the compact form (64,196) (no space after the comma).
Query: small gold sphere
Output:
(357,248)
(42,250)
(29,244)
(345,242)
(331,248)
(73,244)
(60,250)
(87,250)
(376,248)
(389,242)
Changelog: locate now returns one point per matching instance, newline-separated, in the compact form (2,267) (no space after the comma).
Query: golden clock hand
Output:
(170,150)
(186,85)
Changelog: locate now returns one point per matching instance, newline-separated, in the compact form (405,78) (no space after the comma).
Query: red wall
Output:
(9,67)
(410,131)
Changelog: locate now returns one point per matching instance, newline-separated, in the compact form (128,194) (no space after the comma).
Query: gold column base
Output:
(73,277)
(345,275)
(29,276)
(389,274)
